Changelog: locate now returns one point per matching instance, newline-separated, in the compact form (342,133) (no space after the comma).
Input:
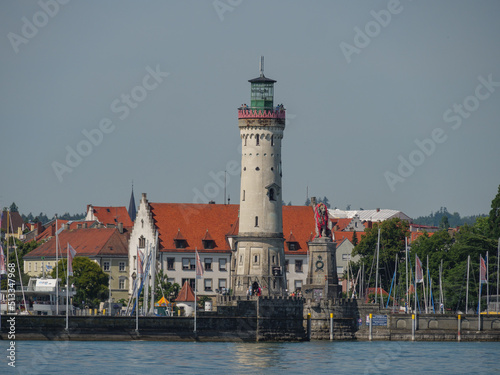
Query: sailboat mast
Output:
(407,286)
(498,273)
(57,269)
(376,270)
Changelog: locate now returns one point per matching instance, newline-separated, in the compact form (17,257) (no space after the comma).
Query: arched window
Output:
(257,139)
(272,140)
(142,242)
(256,221)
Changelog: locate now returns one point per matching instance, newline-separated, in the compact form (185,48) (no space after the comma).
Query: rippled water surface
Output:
(140,357)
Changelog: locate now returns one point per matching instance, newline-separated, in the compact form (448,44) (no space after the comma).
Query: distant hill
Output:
(454,219)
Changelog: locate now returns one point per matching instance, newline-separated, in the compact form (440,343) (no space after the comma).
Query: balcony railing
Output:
(249,112)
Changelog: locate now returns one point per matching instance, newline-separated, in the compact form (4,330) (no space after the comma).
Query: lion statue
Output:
(321,218)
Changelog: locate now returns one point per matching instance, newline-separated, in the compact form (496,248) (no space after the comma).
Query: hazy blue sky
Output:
(358,105)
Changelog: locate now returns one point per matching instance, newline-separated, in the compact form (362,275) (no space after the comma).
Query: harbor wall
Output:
(262,319)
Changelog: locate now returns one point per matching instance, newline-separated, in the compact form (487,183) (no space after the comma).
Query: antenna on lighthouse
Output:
(261,66)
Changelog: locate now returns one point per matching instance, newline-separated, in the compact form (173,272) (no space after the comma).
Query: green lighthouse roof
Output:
(262,79)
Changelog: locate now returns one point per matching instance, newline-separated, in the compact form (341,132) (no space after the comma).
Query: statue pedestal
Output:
(322,281)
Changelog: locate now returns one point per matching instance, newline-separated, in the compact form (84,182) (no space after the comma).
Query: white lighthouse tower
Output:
(259,262)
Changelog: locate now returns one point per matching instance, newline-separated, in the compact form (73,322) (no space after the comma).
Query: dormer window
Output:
(180,244)
(208,244)
(208,241)
(179,240)
(292,243)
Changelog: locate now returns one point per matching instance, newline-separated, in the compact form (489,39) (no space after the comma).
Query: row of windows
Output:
(208,284)
(181,244)
(106,266)
(190,264)
(258,139)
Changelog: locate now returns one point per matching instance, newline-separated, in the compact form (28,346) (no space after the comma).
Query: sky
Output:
(390,104)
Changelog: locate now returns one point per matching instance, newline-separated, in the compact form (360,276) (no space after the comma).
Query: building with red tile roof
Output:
(109,216)
(108,247)
(186,294)
(211,229)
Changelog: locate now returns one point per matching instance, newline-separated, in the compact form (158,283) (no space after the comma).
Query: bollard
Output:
(370,336)
(309,326)
(459,327)
(413,327)
(331,326)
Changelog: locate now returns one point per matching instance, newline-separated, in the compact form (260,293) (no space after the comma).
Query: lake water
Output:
(146,357)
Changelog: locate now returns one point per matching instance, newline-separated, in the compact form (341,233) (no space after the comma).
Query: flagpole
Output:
(57,270)
(376,272)
(406,261)
(415,280)
(487,284)
(67,286)
(498,266)
(479,299)
(467,293)
(441,297)
(196,287)
(137,294)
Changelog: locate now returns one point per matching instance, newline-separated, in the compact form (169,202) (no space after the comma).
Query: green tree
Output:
(444,224)
(90,281)
(166,288)
(495,216)
(13,207)
(354,238)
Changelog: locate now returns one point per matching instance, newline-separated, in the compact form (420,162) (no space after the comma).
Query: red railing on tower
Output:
(261,113)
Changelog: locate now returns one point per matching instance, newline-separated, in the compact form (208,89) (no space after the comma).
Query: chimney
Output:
(313,201)
(120,227)
(378,209)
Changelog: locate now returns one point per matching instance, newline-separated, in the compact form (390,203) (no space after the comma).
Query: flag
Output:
(199,267)
(419,276)
(482,271)
(140,261)
(3,268)
(71,255)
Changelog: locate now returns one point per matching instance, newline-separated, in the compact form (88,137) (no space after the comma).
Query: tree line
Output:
(451,249)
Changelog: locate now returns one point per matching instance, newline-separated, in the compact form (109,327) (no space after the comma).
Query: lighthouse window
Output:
(257,138)
(271,195)
(256,221)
